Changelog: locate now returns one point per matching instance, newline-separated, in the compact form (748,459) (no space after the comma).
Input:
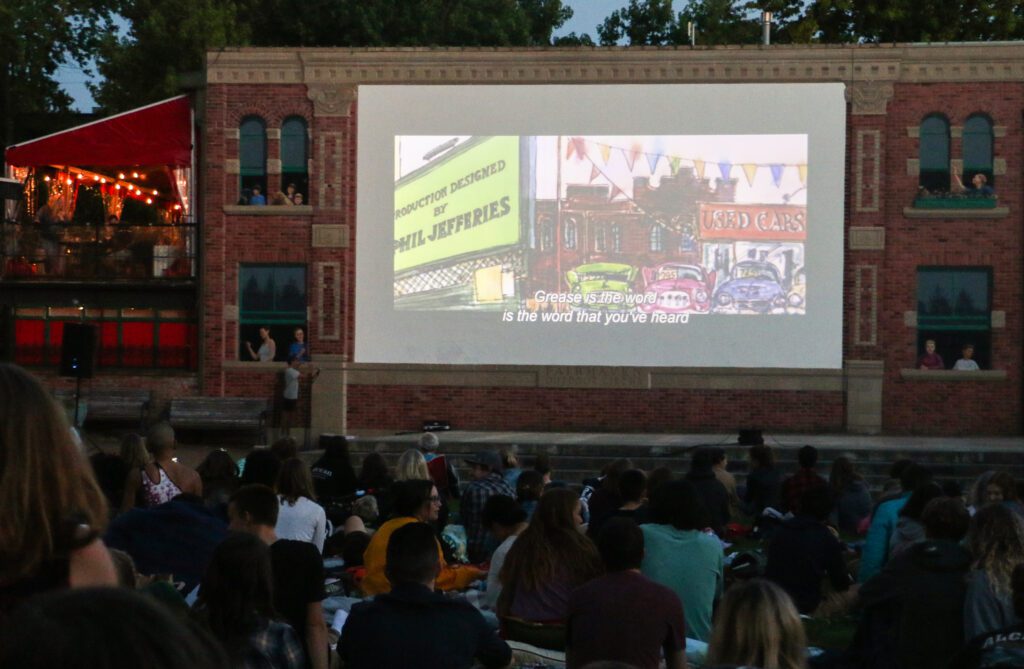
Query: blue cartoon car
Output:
(751,286)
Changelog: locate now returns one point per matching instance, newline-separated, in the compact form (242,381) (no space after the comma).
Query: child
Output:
(290,396)
(967,362)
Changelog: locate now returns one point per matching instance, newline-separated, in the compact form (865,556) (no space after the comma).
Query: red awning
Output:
(157,134)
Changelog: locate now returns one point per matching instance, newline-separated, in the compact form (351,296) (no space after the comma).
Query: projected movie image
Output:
(601,229)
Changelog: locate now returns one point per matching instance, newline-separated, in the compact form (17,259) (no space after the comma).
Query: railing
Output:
(32,251)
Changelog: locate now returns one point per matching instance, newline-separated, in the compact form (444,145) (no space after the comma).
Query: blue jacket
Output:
(876,545)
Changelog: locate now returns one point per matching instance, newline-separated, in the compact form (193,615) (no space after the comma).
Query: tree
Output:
(649,22)
(545,17)
(719,22)
(35,38)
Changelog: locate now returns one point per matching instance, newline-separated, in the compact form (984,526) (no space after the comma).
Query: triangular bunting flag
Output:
(594,173)
(570,148)
(673,165)
(606,153)
(698,167)
(776,174)
(802,169)
(630,157)
(616,191)
(750,170)
(652,161)
(725,169)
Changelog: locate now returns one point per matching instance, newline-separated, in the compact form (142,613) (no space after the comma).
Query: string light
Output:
(135,175)
(120,175)
(149,200)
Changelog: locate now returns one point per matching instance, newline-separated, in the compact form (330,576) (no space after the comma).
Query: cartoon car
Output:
(752,286)
(603,285)
(675,288)
(797,293)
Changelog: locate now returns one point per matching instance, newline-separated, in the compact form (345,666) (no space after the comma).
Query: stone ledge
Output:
(952,375)
(949,214)
(269,210)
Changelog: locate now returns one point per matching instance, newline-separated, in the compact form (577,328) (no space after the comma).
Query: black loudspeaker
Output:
(436,425)
(78,351)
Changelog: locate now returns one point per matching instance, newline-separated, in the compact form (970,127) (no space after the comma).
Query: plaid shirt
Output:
(275,646)
(472,509)
(796,485)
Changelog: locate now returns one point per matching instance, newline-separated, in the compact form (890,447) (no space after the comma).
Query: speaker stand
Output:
(78,397)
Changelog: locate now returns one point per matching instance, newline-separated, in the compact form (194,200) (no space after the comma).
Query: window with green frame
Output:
(933,154)
(252,156)
(272,296)
(295,156)
(977,143)
(954,307)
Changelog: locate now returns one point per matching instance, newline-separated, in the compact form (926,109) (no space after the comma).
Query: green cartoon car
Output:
(603,286)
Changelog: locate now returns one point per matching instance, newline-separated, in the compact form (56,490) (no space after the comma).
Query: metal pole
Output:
(766,28)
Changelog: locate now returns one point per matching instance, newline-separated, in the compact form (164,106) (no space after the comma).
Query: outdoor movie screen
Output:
(668,225)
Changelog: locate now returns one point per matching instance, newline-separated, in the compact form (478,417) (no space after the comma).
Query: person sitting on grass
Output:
(632,491)
(757,625)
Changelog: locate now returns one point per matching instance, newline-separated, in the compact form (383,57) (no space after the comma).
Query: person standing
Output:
(298,348)
(267,349)
(290,394)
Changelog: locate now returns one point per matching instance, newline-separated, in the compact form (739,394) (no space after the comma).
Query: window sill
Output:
(952,375)
(951,213)
(269,210)
(253,365)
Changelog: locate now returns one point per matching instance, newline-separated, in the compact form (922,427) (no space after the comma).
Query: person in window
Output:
(298,348)
(297,199)
(267,349)
(289,192)
(931,359)
(967,363)
(257,198)
(979,186)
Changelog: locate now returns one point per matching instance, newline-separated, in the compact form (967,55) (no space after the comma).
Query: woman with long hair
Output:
(996,541)
(53,512)
(757,625)
(163,478)
(548,561)
(219,475)
(300,517)
(411,465)
(853,499)
(236,604)
(375,478)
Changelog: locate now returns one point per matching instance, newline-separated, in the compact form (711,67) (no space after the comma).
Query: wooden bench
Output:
(220,413)
(111,406)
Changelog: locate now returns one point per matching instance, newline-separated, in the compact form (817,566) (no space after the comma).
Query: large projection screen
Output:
(639,225)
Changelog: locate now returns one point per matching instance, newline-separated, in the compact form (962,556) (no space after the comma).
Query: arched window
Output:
(978,148)
(569,234)
(616,238)
(252,158)
(657,238)
(934,154)
(295,157)
(547,235)
(600,238)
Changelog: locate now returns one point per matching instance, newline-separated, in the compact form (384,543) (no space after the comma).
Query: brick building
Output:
(918,264)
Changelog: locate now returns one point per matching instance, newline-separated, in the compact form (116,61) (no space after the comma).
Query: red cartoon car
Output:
(674,288)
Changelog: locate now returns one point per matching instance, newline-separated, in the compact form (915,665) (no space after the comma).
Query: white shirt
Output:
(303,521)
(965,365)
(489,600)
(291,383)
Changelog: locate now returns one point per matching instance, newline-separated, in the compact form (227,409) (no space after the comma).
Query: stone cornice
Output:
(970,62)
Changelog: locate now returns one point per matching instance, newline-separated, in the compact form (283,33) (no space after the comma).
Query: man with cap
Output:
(487,482)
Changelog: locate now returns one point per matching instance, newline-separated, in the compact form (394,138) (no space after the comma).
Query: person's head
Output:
(632,485)
(262,467)
(336,452)
(844,472)
(44,478)
(483,464)
(290,190)
(929,345)
(160,440)
(658,477)
(621,544)
(429,442)
(104,628)
(412,555)
(256,189)
(897,467)
(264,332)
(757,625)
(285,448)
(294,361)
(529,486)
(817,502)
(611,473)
(411,465)
(124,566)
(295,481)
(374,472)
(979,180)
(919,499)
(236,591)
(945,518)
(218,465)
(702,460)
(677,503)
(300,335)
(417,498)
(252,507)
(996,540)
(133,451)
(1000,488)
(807,457)
(297,198)
(509,456)
(719,458)
(761,457)
(542,465)
(913,476)
(502,515)
(967,351)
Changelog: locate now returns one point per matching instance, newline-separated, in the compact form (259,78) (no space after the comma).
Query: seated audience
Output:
(712,493)
(542,465)
(261,468)
(851,494)
(236,605)
(300,517)
(883,522)
(285,448)
(510,469)
(411,465)
(333,475)
(1003,647)
(219,475)
(764,482)
(656,477)
(996,540)
(549,560)
(623,615)
(601,497)
(375,478)
(719,465)
(506,520)
(967,363)
(914,607)
(758,626)
(1002,489)
(804,550)
(529,488)
(487,481)
(163,478)
(806,477)
(53,512)
(412,625)
(442,470)
(298,569)
(909,528)
(105,628)
(632,491)
(414,501)
(681,556)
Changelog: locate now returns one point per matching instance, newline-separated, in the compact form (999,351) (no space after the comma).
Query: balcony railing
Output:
(30,251)
(955,201)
